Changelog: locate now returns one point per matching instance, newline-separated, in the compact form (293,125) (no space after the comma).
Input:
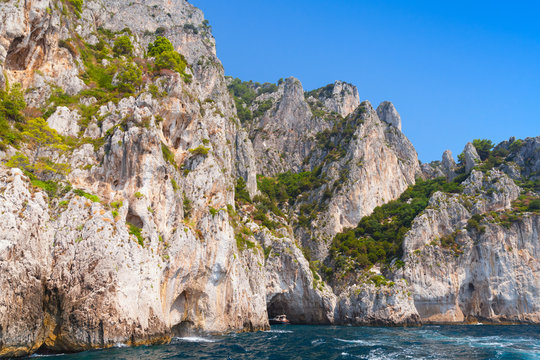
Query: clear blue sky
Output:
(455,70)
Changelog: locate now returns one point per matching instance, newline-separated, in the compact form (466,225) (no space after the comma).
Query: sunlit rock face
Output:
(148,241)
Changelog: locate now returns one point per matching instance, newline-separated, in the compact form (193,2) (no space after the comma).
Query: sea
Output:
(341,342)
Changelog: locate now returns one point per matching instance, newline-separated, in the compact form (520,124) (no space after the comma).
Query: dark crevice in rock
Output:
(184,328)
(24,52)
(134,219)
(101,333)
(52,309)
(16,56)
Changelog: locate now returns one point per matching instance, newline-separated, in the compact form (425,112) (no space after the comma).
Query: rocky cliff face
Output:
(146,220)
(461,272)
(378,164)
(156,262)
(366,160)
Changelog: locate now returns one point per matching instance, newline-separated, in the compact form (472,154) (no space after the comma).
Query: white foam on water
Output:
(359,342)
(120,345)
(195,339)
(317,342)
(279,331)
(45,355)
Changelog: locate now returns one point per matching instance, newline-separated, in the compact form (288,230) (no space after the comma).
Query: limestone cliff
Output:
(170,199)
(460,271)
(134,255)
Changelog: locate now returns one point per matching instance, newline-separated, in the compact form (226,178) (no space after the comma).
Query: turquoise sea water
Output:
(342,342)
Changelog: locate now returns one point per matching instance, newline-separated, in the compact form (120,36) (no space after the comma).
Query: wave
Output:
(359,342)
(279,331)
(194,339)
(46,355)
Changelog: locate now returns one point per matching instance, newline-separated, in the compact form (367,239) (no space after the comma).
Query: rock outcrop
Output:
(378,164)
(285,134)
(388,113)
(65,122)
(471,157)
(455,270)
(143,228)
(142,251)
(448,165)
(339,97)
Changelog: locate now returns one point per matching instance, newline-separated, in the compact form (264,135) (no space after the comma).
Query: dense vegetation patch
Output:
(165,57)
(241,193)
(379,236)
(287,187)
(11,117)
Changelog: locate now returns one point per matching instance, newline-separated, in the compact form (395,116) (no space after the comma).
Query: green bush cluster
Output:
(77,6)
(263,108)
(379,236)
(324,92)
(137,232)
(12,103)
(11,117)
(199,150)
(168,155)
(285,189)
(526,203)
(40,137)
(213,211)
(449,242)
(483,147)
(129,77)
(490,155)
(474,224)
(288,186)
(243,243)
(165,57)
(263,207)
(93,198)
(123,46)
(159,46)
(53,188)
(187,206)
(174,185)
(241,194)
(534,205)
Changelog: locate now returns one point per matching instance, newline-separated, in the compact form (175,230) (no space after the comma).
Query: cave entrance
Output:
(278,306)
(134,219)
(183,329)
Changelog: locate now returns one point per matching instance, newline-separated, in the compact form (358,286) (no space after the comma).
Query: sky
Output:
(455,70)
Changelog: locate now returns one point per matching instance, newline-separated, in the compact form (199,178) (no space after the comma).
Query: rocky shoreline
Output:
(170,199)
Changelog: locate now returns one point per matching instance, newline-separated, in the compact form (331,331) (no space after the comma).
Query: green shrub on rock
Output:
(12,103)
(77,6)
(167,58)
(159,46)
(129,77)
(170,60)
(123,46)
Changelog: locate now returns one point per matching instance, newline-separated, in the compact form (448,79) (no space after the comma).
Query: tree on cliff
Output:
(483,147)
(41,137)
(12,103)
